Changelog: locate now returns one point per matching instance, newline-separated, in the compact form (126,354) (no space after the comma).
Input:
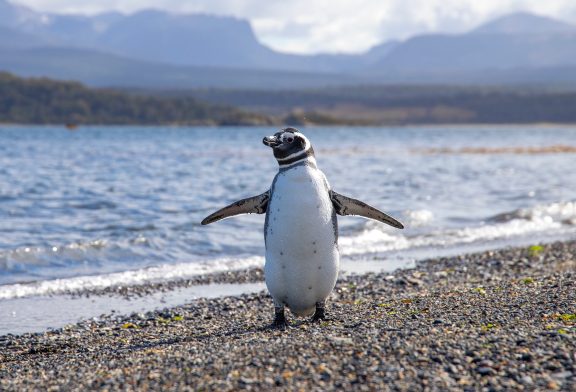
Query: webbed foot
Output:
(319,314)
(279,319)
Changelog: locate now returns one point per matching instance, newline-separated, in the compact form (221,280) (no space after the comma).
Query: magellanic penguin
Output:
(301,230)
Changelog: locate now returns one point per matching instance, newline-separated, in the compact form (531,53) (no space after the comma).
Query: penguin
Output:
(300,229)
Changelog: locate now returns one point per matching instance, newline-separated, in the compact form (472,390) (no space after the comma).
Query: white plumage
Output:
(302,257)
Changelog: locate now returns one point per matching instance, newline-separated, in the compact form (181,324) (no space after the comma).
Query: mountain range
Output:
(156,49)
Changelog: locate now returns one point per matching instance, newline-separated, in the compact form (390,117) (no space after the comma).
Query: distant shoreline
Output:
(45,101)
(280,124)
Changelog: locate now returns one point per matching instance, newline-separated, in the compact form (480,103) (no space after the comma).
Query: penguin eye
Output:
(287,137)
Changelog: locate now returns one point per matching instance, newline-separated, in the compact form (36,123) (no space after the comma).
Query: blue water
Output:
(89,205)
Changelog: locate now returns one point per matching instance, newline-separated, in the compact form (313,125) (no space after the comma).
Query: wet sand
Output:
(494,320)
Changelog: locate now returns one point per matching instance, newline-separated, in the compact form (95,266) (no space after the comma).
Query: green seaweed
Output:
(535,250)
(568,317)
(527,281)
(480,290)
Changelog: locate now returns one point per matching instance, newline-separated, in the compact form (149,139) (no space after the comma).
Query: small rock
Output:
(526,357)
(341,340)
(562,375)
(414,281)
(485,371)
(486,363)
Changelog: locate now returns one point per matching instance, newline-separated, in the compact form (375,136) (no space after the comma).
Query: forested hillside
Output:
(390,105)
(44,101)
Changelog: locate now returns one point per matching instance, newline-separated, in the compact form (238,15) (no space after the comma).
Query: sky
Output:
(331,26)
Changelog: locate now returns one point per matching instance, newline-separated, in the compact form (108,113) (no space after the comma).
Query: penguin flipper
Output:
(347,206)
(252,205)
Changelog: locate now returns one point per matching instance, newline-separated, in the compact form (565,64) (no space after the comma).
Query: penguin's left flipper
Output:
(252,205)
(347,206)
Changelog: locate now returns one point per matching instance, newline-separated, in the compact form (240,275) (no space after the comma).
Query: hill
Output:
(158,49)
(44,101)
(176,39)
(402,104)
(521,41)
(101,69)
(524,23)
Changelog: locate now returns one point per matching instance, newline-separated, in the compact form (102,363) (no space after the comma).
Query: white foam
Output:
(165,272)
(417,218)
(564,211)
(380,238)
(372,241)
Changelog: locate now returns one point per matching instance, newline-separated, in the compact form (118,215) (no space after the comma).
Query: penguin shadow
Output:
(294,325)
(297,324)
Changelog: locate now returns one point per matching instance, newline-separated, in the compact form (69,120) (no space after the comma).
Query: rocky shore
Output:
(499,320)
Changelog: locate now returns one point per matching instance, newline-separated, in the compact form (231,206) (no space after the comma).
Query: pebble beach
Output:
(496,320)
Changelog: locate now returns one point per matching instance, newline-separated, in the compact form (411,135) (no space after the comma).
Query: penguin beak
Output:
(271,141)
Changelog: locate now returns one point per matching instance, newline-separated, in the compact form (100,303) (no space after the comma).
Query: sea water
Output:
(102,206)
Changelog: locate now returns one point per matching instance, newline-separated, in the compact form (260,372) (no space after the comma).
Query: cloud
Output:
(311,26)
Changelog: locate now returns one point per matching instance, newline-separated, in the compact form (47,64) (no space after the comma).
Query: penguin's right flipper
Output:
(252,205)
(347,206)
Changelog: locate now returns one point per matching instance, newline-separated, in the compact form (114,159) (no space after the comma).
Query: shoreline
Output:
(311,125)
(495,319)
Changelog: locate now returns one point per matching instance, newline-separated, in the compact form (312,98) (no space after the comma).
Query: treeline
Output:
(44,101)
(405,104)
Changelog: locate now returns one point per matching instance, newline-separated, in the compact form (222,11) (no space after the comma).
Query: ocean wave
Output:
(17,259)
(380,239)
(165,272)
(95,205)
(564,212)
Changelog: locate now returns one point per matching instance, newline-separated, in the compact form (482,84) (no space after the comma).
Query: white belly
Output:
(301,253)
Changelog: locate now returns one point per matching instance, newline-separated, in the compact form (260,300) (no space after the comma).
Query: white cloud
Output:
(309,26)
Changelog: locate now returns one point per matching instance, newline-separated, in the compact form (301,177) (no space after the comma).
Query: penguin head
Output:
(289,146)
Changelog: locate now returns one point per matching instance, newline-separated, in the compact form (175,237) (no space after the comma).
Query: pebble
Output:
(527,380)
(562,375)
(485,371)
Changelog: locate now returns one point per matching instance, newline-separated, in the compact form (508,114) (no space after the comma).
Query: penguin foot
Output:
(279,319)
(319,314)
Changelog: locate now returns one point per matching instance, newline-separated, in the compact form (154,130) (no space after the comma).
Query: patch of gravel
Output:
(502,320)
